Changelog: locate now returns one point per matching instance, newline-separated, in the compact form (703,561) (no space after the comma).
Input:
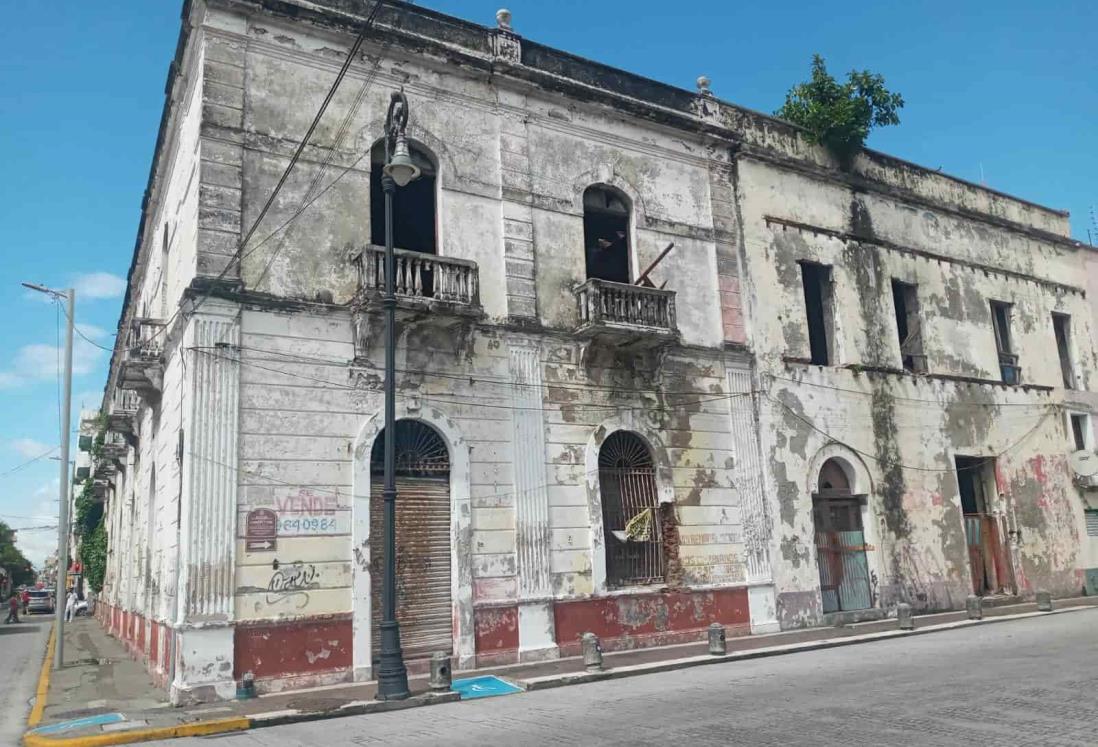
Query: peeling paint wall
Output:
(903,429)
(278,410)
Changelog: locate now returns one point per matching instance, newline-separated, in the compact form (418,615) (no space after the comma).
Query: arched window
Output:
(631,524)
(414,219)
(833,479)
(606,233)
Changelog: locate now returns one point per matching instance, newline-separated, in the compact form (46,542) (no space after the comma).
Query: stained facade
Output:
(595,432)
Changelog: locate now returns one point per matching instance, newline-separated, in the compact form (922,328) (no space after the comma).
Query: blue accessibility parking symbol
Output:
(483,687)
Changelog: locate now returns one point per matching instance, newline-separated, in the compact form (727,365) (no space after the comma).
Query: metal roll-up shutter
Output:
(424,605)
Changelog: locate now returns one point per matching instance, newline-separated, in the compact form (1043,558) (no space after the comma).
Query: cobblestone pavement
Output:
(22,647)
(1031,682)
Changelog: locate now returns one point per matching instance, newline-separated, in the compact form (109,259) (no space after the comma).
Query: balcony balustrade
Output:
(123,409)
(142,365)
(628,315)
(422,281)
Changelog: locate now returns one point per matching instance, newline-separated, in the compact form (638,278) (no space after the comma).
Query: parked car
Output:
(41,600)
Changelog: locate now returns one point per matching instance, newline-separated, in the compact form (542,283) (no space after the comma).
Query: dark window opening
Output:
(631,522)
(1079,431)
(606,234)
(1009,370)
(413,204)
(818,307)
(905,299)
(970,482)
(1061,326)
(833,479)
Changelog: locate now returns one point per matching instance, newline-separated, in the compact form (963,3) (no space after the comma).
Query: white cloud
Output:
(39,361)
(89,400)
(99,285)
(38,544)
(28,448)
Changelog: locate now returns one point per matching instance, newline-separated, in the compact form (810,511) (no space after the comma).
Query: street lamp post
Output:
(60,592)
(399,170)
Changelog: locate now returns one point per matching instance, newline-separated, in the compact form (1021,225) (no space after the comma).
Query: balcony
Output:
(122,410)
(142,366)
(423,282)
(113,447)
(629,316)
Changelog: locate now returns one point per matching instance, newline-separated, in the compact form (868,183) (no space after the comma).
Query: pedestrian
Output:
(70,605)
(13,608)
(26,600)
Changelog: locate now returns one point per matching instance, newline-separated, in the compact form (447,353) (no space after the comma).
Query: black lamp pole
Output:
(392,675)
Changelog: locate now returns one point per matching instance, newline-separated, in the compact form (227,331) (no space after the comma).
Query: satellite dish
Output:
(1084,463)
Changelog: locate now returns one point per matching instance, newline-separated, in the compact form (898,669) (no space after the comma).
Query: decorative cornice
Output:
(923,254)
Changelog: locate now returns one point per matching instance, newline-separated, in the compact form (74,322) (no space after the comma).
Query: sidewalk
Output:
(103,696)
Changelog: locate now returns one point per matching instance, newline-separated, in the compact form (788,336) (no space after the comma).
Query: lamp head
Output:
(401,167)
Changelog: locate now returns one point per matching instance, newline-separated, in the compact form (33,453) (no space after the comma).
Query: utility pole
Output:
(63,498)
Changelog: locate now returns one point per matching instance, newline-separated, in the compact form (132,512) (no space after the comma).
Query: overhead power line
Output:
(29,462)
(237,253)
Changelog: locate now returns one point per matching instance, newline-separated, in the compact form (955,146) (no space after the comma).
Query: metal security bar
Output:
(631,523)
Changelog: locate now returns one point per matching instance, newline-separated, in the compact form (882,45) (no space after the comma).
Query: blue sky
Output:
(1005,94)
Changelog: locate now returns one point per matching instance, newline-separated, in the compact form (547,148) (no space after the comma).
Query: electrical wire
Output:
(237,254)
(450,399)
(29,462)
(884,463)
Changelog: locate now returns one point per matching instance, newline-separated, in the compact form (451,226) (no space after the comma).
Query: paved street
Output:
(1032,682)
(22,647)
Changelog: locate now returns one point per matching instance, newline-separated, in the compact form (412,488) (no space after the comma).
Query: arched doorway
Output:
(631,524)
(424,603)
(840,541)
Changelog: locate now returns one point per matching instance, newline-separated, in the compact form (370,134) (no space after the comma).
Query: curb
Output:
(198,729)
(578,678)
(354,708)
(363,707)
(41,693)
(239,723)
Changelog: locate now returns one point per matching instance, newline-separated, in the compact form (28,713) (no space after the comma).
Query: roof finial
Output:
(703,85)
(503,19)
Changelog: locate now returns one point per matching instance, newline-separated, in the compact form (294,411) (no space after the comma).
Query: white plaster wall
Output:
(921,423)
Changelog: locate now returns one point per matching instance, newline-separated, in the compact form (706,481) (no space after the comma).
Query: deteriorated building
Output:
(661,363)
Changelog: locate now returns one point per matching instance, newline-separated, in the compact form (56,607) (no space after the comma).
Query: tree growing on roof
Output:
(840,116)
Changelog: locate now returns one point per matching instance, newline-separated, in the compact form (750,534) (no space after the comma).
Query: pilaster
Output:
(532,534)
(747,477)
(518,222)
(204,664)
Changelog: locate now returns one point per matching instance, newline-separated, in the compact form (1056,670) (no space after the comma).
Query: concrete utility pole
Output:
(63,495)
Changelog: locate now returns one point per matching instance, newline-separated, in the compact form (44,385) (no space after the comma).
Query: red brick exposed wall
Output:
(270,650)
(638,620)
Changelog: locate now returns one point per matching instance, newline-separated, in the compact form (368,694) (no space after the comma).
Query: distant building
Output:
(838,391)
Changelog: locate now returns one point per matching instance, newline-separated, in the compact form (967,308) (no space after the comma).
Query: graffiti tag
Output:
(291,583)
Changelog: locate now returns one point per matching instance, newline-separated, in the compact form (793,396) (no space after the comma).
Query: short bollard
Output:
(592,652)
(974,605)
(903,616)
(440,671)
(245,690)
(1044,601)
(717,645)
